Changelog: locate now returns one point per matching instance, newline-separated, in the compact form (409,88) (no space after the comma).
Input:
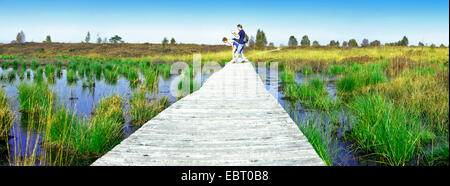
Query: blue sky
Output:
(206,22)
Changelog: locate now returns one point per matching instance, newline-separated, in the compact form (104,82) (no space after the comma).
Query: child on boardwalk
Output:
(233,44)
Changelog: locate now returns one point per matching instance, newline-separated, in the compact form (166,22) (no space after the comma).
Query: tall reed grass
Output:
(143,109)
(386,130)
(34,98)
(6,115)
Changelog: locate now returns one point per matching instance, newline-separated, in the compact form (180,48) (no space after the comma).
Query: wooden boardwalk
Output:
(231,120)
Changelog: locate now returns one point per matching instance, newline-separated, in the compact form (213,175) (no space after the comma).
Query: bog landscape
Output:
(68,104)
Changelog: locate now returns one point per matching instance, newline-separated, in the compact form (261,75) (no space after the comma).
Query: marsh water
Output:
(344,154)
(83,100)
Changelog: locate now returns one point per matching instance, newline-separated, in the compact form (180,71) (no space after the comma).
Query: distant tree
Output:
(420,44)
(404,41)
(261,40)
(352,43)
(99,39)
(165,41)
(172,41)
(315,43)
(116,39)
(433,46)
(305,41)
(375,43)
(251,42)
(345,44)
(442,46)
(88,37)
(20,38)
(105,40)
(48,39)
(271,44)
(292,41)
(365,43)
(332,43)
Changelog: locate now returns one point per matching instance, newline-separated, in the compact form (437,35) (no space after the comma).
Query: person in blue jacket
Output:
(241,44)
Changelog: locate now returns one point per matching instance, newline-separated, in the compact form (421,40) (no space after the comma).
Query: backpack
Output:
(245,38)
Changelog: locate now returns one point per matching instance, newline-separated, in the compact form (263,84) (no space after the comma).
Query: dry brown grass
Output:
(105,50)
(398,64)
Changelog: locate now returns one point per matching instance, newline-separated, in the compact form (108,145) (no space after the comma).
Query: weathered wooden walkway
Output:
(231,120)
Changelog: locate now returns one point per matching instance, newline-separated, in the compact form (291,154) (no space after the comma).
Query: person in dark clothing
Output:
(241,44)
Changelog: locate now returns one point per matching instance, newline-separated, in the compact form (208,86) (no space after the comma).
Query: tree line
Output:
(305,42)
(20,39)
(259,42)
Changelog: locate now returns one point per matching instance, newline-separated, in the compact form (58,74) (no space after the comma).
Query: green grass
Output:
(72,65)
(5,64)
(316,129)
(385,130)
(130,73)
(68,137)
(111,76)
(21,74)
(288,76)
(71,76)
(187,83)
(151,78)
(307,70)
(438,155)
(12,75)
(164,70)
(58,72)
(15,64)
(145,64)
(59,64)
(33,65)
(98,68)
(24,65)
(336,69)
(81,71)
(88,69)
(311,94)
(101,134)
(61,125)
(111,107)
(88,83)
(104,129)
(142,109)
(347,84)
(360,76)
(6,115)
(40,70)
(109,66)
(34,98)
(92,137)
(50,71)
